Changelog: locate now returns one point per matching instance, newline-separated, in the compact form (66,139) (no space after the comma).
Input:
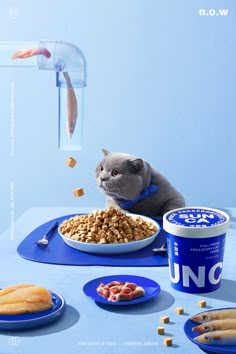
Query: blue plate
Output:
(150,286)
(31,320)
(221,349)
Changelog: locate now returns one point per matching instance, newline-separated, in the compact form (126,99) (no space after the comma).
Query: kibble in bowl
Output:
(109,231)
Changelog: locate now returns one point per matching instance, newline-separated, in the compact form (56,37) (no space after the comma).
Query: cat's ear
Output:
(105,152)
(136,165)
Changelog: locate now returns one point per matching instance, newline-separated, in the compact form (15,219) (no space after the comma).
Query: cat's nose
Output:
(103,179)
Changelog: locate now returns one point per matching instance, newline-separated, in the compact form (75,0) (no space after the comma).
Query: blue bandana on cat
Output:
(150,190)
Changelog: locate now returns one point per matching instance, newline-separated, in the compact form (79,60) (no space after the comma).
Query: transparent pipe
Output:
(8,48)
(69,63)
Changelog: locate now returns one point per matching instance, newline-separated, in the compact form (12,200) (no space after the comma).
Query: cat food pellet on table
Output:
(78,192)
(179,310)
(99,227)
(71,162)
(160,330)
(167,341)
(164,319)
(202,303)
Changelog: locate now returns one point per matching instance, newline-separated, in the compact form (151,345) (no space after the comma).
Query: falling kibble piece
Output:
(78,192)
(71,162)
(164,319)
(167,342)
(160,330)
(179,310)
(202,303)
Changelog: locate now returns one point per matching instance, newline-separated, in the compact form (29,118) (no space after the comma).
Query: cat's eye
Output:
(114,173)
(101,168)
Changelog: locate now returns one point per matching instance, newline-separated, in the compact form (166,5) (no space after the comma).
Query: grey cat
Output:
(132,184)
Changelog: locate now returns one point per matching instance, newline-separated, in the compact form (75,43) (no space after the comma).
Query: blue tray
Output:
(57,252)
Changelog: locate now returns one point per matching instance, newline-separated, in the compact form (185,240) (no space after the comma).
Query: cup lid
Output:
(196,222)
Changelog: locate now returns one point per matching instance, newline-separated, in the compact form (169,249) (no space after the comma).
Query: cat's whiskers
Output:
(109,187)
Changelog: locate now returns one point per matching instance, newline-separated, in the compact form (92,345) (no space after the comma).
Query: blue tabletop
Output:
(89,327)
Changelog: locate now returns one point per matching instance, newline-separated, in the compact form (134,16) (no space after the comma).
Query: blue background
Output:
(161,85)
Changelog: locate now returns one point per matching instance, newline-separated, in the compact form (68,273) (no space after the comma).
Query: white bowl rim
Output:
(114,245)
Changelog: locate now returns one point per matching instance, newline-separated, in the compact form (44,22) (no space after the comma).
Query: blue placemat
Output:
(57,252)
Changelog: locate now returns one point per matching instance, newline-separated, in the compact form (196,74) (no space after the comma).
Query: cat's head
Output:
(122,176)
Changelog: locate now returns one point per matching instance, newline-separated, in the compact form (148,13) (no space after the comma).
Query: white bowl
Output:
(113,248)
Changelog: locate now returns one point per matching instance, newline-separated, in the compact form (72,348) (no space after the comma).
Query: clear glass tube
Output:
(7,49)
(69,63)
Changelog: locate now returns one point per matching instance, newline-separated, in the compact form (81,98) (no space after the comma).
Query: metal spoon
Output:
(160,249)
(44,240)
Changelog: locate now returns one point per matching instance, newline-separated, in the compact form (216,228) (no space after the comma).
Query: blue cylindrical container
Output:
(195,242)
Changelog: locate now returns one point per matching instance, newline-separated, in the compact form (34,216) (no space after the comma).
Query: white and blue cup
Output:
(195,243)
